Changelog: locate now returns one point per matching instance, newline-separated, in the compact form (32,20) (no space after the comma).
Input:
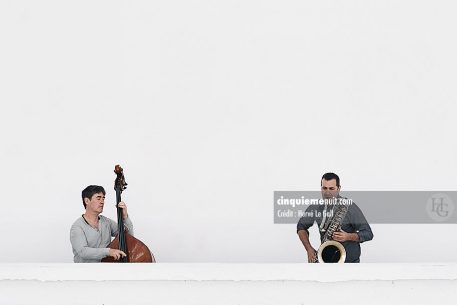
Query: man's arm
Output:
(302,230)
(127,221)
(304,237)
(360,223)
(114,227)
(129,225)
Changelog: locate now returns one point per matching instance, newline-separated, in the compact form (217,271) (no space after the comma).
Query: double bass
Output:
(136,250)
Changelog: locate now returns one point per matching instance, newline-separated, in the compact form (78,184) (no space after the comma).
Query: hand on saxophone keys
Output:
(312,255)
(342,236)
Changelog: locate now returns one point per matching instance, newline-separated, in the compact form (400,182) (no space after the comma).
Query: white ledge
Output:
(228,272)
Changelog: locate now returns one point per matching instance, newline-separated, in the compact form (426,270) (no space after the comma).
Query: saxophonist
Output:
(354,227)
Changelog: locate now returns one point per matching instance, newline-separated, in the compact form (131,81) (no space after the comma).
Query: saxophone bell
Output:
(331,251)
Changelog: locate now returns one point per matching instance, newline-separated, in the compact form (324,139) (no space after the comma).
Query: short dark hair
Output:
(90,191)
(331,176)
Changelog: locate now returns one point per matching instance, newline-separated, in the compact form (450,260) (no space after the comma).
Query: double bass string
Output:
(136,251)
(120,222)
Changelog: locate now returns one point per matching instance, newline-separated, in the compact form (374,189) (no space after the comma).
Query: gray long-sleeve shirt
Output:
(89,244)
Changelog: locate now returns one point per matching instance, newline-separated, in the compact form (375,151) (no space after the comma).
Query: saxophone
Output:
(332,251)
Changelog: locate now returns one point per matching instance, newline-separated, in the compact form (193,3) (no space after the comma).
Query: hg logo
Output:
(440,207)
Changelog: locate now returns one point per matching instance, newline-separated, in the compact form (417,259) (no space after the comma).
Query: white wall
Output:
(210,106)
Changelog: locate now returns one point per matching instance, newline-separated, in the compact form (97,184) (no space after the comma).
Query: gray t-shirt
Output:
(89,244)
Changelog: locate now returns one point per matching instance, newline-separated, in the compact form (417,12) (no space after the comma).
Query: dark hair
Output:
(90,191)
(331,176)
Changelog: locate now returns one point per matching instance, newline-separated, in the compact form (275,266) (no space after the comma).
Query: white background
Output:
(210,106)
